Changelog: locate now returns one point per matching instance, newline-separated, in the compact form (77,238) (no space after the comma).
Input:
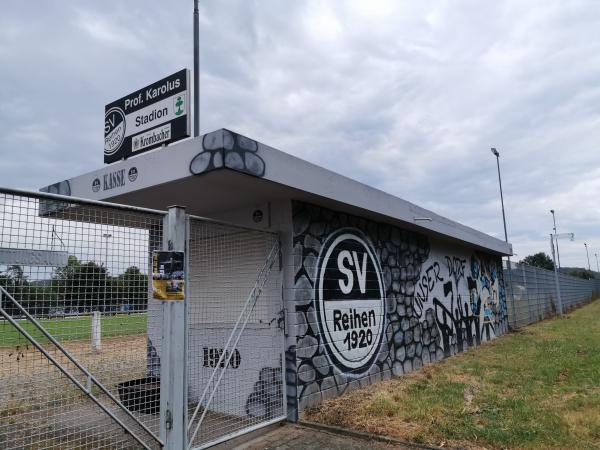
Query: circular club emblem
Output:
(132,174)
(257,216)
(350,300)
(96,185)
(114,130)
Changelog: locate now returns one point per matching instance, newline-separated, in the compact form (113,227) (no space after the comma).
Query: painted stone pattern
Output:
(438,299)
(224,148)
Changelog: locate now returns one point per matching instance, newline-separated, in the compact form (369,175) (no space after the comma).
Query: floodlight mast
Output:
(558,297)
(588,255)
(497,155)
(557,251)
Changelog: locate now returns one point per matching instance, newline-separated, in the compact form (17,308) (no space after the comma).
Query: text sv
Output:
(361,271)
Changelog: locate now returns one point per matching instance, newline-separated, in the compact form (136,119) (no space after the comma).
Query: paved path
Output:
(296,437)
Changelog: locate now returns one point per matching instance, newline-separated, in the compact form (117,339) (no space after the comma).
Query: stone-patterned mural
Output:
(373,300)
(224,148)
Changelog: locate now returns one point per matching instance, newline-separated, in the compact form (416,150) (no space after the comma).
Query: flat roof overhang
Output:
(222,170)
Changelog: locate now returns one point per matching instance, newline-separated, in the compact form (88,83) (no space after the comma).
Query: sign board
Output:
(148,118)
(31,257)
(168,276)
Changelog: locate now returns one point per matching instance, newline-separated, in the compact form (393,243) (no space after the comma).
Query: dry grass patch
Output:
(536,388)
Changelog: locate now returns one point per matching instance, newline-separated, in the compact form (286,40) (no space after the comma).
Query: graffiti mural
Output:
(433,302)
(399,255)
(466,296)
(265,401)
(224,148)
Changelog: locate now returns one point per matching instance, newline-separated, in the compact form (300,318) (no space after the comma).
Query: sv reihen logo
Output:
(350,300)
(114,130)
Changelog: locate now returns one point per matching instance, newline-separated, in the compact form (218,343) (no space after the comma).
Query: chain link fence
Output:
(532,294)
(74,292)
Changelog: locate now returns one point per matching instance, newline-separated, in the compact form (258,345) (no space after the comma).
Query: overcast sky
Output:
(404,96)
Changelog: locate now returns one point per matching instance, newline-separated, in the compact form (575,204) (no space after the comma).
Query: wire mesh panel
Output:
(74,352)
(533,295)
(235,331)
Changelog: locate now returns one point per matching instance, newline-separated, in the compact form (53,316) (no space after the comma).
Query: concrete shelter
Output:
(370,285)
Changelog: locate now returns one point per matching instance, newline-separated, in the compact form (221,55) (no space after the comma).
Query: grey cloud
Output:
(407,97)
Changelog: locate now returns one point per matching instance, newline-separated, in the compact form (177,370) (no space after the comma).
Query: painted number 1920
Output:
(360,339)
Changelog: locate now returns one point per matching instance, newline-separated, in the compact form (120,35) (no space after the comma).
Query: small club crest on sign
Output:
(179,102)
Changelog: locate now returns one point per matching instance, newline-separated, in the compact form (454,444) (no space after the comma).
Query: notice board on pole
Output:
(168,275)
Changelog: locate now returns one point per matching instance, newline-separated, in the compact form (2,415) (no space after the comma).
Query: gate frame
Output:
(173,371)
(279,262)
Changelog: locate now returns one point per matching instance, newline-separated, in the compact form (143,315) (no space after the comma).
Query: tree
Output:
(132,288)
(81,284)
(581,273)
(15,282)
(540,259)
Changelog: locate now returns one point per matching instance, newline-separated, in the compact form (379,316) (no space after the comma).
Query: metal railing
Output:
(532,295)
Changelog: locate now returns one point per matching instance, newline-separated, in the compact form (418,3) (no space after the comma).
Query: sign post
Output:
(155,115)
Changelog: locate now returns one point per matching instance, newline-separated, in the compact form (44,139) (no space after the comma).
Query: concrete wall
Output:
(372,300)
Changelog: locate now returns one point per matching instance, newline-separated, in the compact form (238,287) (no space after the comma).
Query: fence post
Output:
(173,403)
(526,291)
(96,331)
(512,292)
(537,293)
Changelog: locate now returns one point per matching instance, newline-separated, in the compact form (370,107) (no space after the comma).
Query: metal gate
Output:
(74,349)
(81,340)
(235,321)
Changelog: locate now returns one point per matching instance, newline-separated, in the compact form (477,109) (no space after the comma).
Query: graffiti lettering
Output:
(425,286)
(456,267)
(211,357)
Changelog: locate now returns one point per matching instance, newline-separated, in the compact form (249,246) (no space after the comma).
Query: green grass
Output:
(73,329)
(535,388)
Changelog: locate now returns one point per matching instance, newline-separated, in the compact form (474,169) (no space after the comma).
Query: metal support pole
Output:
(537,294)
(196,70)
(173,392)
(526,292)
(497,155)
(557,251)
(107,236)
(588,256)
(560,308)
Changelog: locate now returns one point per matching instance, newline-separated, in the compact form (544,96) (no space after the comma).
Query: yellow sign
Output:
(168,276)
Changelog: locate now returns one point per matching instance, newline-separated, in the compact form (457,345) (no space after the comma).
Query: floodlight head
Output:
(552,211)
(495,152)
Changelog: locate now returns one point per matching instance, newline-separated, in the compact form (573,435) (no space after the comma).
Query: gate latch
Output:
(168,420)
(281,322)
